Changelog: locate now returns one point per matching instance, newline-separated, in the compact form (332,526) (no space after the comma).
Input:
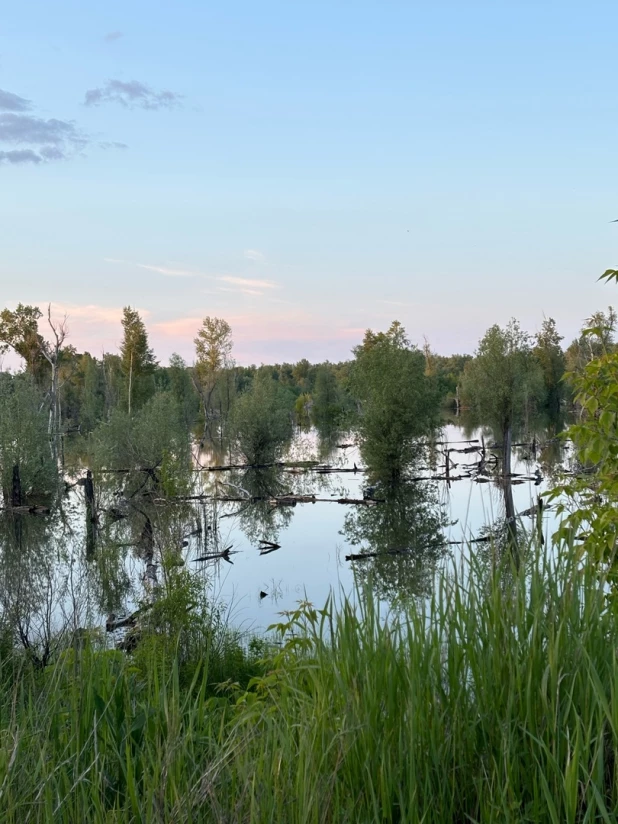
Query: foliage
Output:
(19,331)
(213,348)
(330,403)
(137,359)
(487,704)
(24,440)
(595,339)
(180,385)
(504,382)
(549,355)
(591,495)
(154,439)
(261,421)
(399,402)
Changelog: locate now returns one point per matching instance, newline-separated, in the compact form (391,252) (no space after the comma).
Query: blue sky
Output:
(308,170)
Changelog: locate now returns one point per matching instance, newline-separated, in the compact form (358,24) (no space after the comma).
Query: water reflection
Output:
(286,529)
(400,540)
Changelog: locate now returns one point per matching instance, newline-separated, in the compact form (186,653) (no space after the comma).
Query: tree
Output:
(27,467)
(52,352)
(398,401)
(213,349)
(550,357)
(19,331)
(261,421)
(328,399)
(182,388)
(504,382)
(137,358)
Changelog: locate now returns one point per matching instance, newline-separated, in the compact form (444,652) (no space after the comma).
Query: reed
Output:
(494,701)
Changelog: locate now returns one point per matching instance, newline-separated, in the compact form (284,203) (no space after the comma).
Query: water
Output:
(53,576)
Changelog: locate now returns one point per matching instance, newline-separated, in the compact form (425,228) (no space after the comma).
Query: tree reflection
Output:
(260,518)
(401,538)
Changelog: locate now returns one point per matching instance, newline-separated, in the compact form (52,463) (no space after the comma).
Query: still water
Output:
(59,571)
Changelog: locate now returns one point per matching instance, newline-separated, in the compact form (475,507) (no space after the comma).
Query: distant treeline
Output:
(510,375)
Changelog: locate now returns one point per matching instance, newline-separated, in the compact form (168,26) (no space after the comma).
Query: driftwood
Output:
(281,500)
(395,551)
(217,556)
(268,547)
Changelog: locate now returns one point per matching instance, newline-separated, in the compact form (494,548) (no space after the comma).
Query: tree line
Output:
(390,392)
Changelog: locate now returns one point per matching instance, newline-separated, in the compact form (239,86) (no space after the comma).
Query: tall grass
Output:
(495,702)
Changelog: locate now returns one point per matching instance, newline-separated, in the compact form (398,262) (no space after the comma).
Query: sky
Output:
(307,170)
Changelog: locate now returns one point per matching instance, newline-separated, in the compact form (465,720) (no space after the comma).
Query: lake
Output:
(60,569)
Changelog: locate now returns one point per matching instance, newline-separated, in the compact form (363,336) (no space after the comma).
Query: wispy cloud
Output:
(132,94)
(250,282)
(253,254)
(164,270)
(10,102)
(111,36)
(246,286)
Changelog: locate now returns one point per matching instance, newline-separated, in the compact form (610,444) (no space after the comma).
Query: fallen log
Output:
(217,556)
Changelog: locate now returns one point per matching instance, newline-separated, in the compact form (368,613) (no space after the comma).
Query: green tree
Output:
(137,359)
(328,398)
(398,401)
(213,370)
(19,331)
(549,355)
(261,421)
(25,456)
(504,382)
(181,387)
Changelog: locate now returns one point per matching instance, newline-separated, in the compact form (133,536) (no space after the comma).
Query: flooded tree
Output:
(398,401)
(213,371)
(28,470)
(261,421)
(504,383)
(549,354)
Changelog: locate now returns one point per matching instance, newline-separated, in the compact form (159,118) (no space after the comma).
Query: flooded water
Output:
(60,569)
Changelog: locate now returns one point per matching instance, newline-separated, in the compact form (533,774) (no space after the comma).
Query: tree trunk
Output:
(509,505)
(91,515)
(16,494)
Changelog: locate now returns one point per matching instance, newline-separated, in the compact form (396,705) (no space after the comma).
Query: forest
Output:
(462,676)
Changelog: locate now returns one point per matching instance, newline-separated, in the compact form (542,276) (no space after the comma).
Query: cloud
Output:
(250,282)
(19,156)
(162,270)
(50,139)
(253,254)
(112,36)
(247,286)
(113,144)
(132,94)
(10,102)
(38,139)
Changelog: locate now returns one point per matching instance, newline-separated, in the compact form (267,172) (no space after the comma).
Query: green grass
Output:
(496,702)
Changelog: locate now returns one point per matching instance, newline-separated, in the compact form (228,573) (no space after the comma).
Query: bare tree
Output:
(51,351)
